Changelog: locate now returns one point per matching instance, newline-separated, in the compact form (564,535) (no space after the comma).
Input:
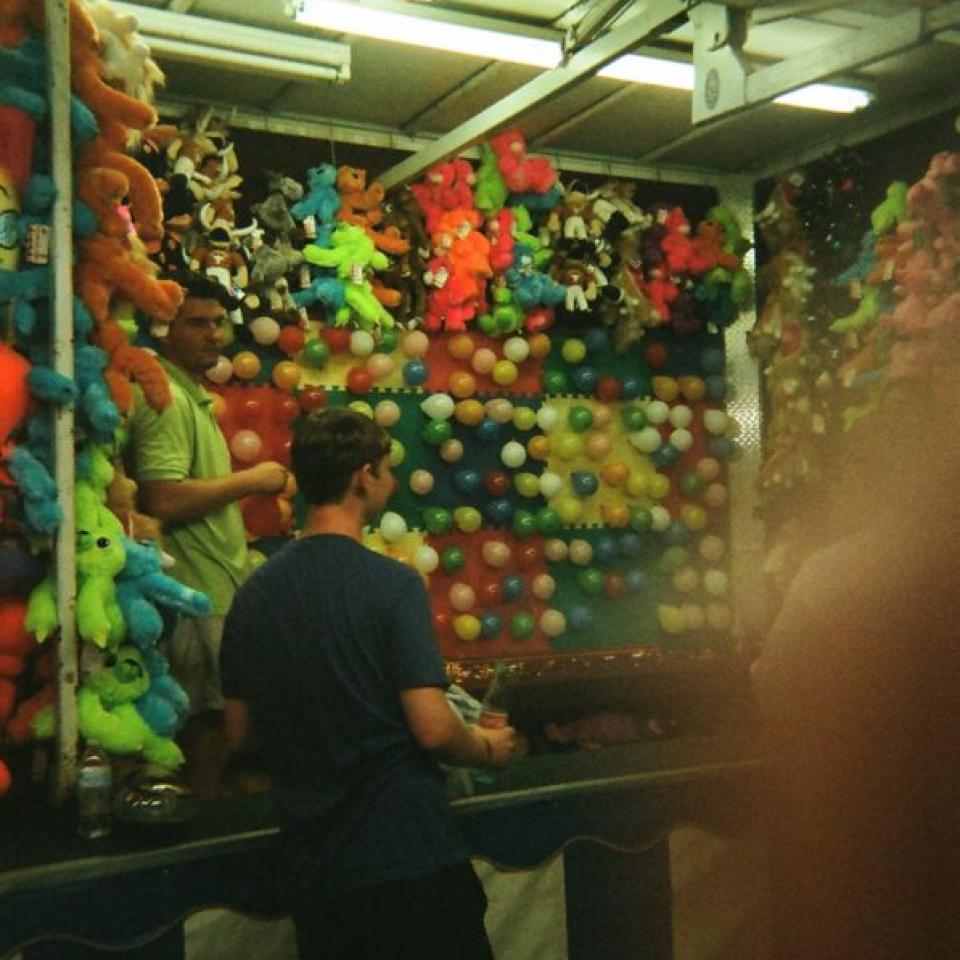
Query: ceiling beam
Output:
(635,29)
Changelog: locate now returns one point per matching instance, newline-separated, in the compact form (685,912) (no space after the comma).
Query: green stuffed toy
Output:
(522,233)
(891,211)
(352,253)
(489,191)
(106,711)
(100,557)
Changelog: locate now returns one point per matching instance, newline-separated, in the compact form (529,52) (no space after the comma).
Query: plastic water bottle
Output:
(94,792)
(494,714)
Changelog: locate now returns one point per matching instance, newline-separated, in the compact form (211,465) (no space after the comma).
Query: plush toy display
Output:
(521,173)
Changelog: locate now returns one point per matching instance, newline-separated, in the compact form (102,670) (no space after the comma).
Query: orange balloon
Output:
(286,375)
(219,406)
(538,447)
(539,345)
(615,514)
(469,412)
(461,346)
(666,389)
(614,473)
(246,365)
(462,384)
(692,388)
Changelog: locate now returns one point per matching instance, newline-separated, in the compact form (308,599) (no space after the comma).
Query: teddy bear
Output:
(142,586)
(165,705)
(129,362)
(530,287)
(318,209)
(352,253)
(360,204)
(521,173)
(446,186)
(500,227)
(100,556)
(107,713)
(272,264)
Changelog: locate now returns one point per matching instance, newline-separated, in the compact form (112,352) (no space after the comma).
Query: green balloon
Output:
(388,341)
(487,325)
(452,559)
(521,625)
(691,484)
(524,523)
(640,519)
(548,520)
(634,418)
(674,558)
(579,418)
(316,353)
(436,432)
(590,581)
(554,381)
(437,520)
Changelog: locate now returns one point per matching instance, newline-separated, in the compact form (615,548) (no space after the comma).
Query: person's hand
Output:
(267,477)
(501,744)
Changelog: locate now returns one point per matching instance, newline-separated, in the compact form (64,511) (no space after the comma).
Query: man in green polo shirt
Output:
(181,463)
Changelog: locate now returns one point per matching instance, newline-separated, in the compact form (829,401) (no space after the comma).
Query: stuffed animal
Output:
(106,711)
(504,316)
(530,287)
(128,362)
(142,585)
(321,204)
(490,192)
(360,204)
(165,705)
(500,233)
(521,173)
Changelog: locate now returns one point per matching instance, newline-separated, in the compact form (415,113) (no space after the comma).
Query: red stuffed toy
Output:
(521,173)
(128,362)
(15,645)
(500,234)
(676,243)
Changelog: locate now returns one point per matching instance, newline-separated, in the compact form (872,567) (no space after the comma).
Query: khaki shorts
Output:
(194,655)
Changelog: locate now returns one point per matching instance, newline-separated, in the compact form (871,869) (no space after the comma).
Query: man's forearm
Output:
(179,501)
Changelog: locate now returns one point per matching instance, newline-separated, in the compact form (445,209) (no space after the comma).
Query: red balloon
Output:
(609,389)
(496,483)
(539,319)
(337,338)
(527,554)
(313,398)
(291,340)
(286,453)
(262,516)
(489,593)
(656,355)
(287,410)
(248,410)
(359,380)
(441,622)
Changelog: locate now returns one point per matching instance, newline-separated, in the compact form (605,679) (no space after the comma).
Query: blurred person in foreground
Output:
(329,660)
(181,463)
(859,679)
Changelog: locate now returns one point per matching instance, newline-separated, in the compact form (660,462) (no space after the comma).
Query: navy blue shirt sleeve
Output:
(412,652)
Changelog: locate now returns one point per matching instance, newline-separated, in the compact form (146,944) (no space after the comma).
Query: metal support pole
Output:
(61,305)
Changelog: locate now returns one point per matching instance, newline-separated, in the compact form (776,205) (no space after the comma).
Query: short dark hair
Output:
(329,446)
(198,286)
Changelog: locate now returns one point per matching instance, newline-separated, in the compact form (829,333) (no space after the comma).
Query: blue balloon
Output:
(711,360)
(605,550)
(499,512)
(633,386)
(631,544)
(666,455)
(584,379)
(488,430)
(580,618)
(636,580)
(720,447)
(467,480)
(584,483)
(490,624)
(596,340)
(716,387)
(676,534)
(511,587)
(415,373)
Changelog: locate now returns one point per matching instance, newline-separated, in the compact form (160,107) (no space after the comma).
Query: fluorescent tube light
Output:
(436,34)
(826,96)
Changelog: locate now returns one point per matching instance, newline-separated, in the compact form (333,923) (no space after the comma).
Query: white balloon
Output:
(513,454)
(551,484)
(646,440)
(496,553)
(681,415)
(361,343)
(682,439)
(553,623)
(421,481)
(657,412)
(462,597)
(221,371)
(426,559)
(265,330)
(555,550)
(581,552)
(392,526)
(499,409)
(716,421)
(516,349)
(659,518)
(548,417)
(387,413)
(438,406)
(415,344)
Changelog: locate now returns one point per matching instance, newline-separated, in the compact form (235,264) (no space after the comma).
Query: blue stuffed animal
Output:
(165,705)
(322,202)
(39,492)
(324,289)
(142,585)
(530,287)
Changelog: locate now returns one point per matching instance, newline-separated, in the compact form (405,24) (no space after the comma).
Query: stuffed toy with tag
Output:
(107,713)
(322,203)
(530,287)
(143,586)
(500,234)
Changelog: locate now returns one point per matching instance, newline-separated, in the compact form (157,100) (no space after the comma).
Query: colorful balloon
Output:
(246,446)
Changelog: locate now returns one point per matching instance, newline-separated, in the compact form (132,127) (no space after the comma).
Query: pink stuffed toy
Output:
(521,173)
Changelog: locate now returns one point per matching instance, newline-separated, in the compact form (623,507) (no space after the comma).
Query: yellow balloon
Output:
(658,486)
(636,485)
(469,412)
(568,445)
(361,406)
(527,484)
(467,519)
(246,365)
(693,517)
(286,375)
(524,418)
(466,627)
(569,509)
(504,373)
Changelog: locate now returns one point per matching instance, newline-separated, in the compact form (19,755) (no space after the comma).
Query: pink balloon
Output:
(246,445)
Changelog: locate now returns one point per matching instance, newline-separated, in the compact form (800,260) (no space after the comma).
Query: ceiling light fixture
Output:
(377,23)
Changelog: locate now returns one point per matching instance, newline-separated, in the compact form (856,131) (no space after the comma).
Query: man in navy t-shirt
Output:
(329,659)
